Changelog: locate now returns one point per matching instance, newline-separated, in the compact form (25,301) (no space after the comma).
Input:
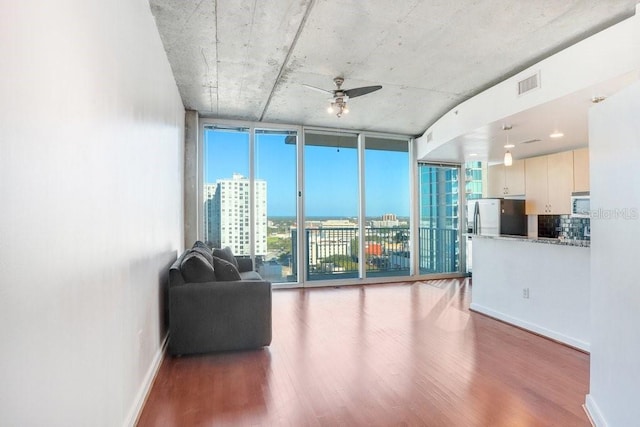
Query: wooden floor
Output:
(408,354)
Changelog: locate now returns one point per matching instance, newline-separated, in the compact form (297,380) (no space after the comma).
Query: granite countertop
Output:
(543,240)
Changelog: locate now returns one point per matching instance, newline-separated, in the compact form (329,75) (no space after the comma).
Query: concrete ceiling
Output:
(249,59)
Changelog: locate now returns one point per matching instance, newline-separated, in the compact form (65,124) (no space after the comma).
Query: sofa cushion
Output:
(226,254)
(224,270)
(195,268)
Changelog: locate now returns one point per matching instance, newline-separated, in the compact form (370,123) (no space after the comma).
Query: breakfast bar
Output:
(538,284)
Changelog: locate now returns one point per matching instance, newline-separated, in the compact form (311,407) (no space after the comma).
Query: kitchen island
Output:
(538,284)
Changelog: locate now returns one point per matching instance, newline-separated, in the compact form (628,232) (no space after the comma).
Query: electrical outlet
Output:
(525,293)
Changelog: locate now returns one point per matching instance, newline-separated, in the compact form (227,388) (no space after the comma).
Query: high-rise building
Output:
(473,180)
(227,215)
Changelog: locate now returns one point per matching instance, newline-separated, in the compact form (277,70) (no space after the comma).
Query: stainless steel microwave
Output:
(580,205)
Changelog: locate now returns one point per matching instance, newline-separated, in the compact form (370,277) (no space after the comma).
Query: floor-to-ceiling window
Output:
(355,191)
(252,208)
(439,237)
(387,207)
(275,166)
(331,180)
(227,189)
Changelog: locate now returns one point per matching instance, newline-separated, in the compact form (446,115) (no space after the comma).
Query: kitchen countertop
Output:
(543,240)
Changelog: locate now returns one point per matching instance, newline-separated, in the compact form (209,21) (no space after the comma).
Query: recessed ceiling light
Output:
(509,146)
(556,135)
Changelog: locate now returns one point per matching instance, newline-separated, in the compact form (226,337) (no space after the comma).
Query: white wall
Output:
(614,142)
(557,277)
(91,148)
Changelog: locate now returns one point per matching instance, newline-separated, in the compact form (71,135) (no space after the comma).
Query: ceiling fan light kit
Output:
(338,101)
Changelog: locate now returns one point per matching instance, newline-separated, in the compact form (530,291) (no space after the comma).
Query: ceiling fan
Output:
(338,101)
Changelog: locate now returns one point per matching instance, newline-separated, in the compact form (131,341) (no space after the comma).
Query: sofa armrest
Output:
(244,264)
(219,316)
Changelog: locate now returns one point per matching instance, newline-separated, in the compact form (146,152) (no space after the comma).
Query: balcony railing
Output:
(439,250)
(332,253)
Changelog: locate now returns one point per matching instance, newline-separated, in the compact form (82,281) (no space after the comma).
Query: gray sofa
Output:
(214,307)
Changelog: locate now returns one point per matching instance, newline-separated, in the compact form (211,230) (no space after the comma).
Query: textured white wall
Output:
(614,143)
(91,147)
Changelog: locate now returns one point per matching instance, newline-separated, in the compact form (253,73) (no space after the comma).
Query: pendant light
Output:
(508,159)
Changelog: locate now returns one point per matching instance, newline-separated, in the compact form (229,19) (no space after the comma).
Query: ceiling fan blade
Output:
(317,89)
(359,91)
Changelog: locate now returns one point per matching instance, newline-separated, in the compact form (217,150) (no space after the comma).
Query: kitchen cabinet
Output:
(506,180)
(581,169)
(549,183)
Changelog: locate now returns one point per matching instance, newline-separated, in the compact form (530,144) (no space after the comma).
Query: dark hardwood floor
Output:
(407,354)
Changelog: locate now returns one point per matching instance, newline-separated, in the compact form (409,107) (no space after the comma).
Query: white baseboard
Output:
(149,378)
(593,411)
(554,335)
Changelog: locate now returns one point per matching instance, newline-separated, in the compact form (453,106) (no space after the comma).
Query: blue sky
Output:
(331,176)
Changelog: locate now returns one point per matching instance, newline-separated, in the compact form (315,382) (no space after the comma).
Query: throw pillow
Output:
(226,255)
(201,244)
(224,270)
(196,269)
(205,253)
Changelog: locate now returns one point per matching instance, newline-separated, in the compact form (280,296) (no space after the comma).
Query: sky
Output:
(331,175)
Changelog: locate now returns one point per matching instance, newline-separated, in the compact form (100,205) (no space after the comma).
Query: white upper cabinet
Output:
(549,183)
(506,180)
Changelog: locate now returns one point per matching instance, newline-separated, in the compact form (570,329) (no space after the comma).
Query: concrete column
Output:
(192,172)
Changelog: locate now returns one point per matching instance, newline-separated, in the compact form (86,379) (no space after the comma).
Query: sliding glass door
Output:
(439,237)
(250,196)
(357,206)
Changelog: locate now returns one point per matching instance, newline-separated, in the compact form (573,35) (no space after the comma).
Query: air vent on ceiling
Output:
(430,137)
(529,84)
(530,141)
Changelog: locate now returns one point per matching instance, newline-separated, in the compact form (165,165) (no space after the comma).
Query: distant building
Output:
(473,180)
(227,223)
(338,223)
(387,221)
(324,243)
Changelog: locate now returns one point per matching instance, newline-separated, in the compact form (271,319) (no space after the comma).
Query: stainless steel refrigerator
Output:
(494,217)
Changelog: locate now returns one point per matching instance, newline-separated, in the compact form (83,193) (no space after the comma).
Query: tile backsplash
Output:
(564,226)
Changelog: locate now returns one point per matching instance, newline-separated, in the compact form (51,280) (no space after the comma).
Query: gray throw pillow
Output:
(201,244)
(205,253)
(224,270)
(226,255)
(196,269)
